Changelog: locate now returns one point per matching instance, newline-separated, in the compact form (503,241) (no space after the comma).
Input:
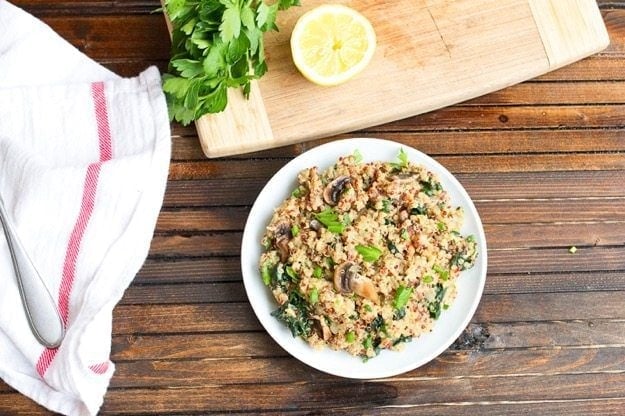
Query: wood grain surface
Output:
(429,54)
(544,162)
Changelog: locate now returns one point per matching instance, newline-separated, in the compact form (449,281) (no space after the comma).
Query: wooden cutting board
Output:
(430,54)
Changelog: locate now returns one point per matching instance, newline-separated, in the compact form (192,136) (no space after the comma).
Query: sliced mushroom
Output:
(282,245)
(347,280)
(333,190)
(403,177)
(315,225)
(282,237)
(322,328)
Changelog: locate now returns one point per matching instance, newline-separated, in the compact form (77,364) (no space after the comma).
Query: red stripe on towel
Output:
(99,368)
(89,191)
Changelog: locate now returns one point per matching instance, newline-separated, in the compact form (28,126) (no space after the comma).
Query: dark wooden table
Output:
(544,162)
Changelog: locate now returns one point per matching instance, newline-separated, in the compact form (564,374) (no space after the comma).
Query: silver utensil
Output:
(41,311)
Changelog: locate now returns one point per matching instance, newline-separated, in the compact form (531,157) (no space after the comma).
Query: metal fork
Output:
(41,311)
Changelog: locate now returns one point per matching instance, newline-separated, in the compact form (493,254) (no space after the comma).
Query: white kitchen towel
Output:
(84,156)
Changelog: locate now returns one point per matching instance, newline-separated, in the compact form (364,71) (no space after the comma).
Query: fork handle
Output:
(41,311)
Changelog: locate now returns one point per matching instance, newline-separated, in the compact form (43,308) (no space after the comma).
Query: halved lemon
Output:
(332,43)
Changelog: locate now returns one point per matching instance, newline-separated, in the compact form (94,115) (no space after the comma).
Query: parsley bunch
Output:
(216,45)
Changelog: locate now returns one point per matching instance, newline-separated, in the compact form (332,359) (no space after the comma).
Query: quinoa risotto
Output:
(364,256)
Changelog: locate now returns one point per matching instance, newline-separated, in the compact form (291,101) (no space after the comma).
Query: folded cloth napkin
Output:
(84,156)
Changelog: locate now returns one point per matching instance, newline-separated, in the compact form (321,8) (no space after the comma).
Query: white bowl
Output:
(388,363)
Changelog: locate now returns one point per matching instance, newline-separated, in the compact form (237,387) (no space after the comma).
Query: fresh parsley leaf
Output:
(357,156)
(431,187)
(402,158)
(216,45)
(402,295)
(369,253)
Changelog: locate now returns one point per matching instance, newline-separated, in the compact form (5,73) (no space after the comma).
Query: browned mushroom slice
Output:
(282,244)
(322,328)
(364,287)
(315,225)
(403,178)
(282,236)
(333,190)
(347,280)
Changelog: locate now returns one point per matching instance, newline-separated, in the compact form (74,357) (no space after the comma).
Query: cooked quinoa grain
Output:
(364,256)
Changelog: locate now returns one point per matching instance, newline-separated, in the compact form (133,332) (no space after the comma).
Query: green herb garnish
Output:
(418,210)
(350,337)
(291,273)
(442,273)
(431,187)
(434,307)
(402,296)
(357,156)
(386,205)
(392,248)
(216,45)
(402,158)
(265,272)
(369,253)
(330,219)
(294,313)
(314,296)
(317,272)
(295,231)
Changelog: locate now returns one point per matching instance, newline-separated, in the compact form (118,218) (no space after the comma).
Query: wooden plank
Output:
(14,402)
(555,93)
(561,281)
(482,186)
(194,346)
(577,407)
(151,319)
(595,334)
(510,117)
(593,68)
(456,164)
(547,336)
(560,210)
(550,306)
(214,244)
(513,236)
(214,269)
(103,37)
(171,319)
(471,364)
(319,396)
(186,148)
(188,293)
